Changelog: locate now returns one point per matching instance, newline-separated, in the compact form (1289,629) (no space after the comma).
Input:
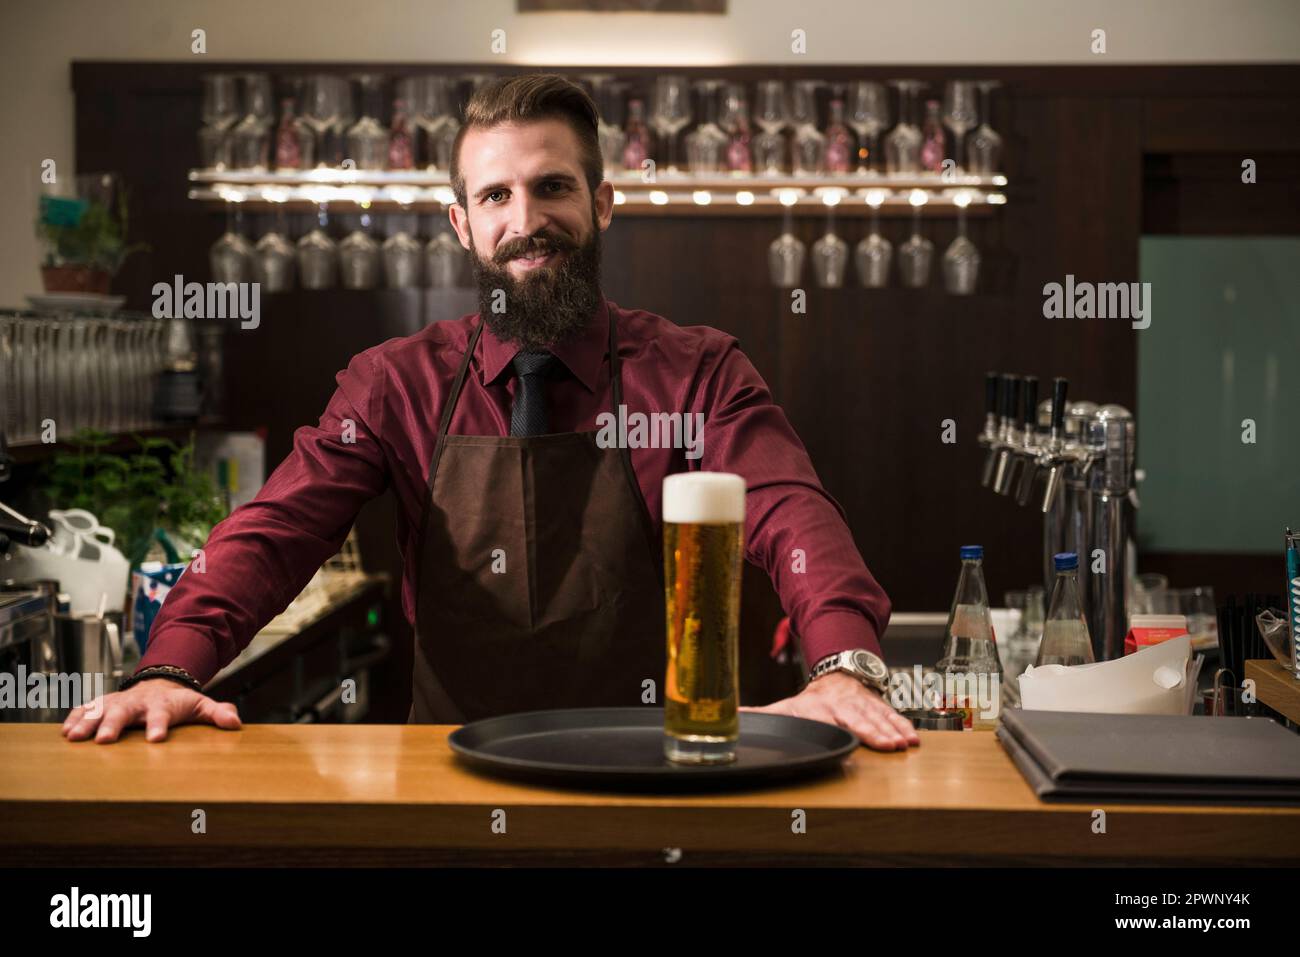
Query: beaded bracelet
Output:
(171,672)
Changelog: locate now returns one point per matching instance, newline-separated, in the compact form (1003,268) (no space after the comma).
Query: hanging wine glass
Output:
(959,113)
(672,111)
(220,111)
(903,142)
(359,258)
(874,253)
(772,114)
(367,138)
(916,255)
(984,149)
(607,94)
(706,144)
(231,256)
(401,254)
(786,253)
(809,142)
(274,259)
(321,100)
(830,254)
(868,114)
(961,260)
(318,255)
(443,258)
(251,136)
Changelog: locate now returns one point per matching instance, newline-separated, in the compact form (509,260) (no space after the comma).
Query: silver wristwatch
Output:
(863,665)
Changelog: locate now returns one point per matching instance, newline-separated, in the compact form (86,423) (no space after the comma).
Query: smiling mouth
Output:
(535,260)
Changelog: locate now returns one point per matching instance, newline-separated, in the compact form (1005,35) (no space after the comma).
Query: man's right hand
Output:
(157,703)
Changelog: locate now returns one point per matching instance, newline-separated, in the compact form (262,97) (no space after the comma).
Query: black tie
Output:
(528,416)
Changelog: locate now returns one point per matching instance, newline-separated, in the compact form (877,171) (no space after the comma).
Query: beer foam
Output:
(704,498)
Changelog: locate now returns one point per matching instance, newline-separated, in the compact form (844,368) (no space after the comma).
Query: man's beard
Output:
(550,303)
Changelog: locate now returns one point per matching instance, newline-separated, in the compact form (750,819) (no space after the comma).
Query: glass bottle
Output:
(932,144)
(1065,635)
(840,149)
(735,122)
(401,148)
(970,667)
(636,140)
(293,140)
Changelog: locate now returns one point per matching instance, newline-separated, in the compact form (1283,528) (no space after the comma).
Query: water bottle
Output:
(971,670)
(1065,636)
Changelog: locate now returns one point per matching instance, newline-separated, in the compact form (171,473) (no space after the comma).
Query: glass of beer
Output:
(704,530)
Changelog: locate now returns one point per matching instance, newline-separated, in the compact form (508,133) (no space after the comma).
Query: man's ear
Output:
(604,204)
(459,222)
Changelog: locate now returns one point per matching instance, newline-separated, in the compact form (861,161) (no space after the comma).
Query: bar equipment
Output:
(830,254)
(785,254)
(1083,456)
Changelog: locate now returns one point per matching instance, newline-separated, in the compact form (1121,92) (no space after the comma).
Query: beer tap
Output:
(1053,457)
(1085,455)
(1009,435)
(1027,458)
(989,437)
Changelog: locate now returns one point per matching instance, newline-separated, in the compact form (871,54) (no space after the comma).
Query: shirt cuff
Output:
(837,631)
(183,648)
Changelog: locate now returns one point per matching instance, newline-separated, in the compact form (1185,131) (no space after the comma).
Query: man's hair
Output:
(526,99)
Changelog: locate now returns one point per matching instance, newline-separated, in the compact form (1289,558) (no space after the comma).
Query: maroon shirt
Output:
(391,397)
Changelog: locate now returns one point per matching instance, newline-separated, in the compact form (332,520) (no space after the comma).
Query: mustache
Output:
(540,244)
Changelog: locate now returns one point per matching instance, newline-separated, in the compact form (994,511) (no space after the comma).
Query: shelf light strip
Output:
(362,195)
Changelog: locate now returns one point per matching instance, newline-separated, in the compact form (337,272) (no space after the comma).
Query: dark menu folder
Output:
(1066,755)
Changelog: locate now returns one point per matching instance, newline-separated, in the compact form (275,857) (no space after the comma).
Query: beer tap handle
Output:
(990,394)
(1031,404)
(1007,410)
(1060,387)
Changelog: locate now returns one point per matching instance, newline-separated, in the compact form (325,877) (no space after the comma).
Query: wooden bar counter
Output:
(397,795)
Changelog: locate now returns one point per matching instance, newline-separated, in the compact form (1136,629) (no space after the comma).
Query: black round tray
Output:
(623,748)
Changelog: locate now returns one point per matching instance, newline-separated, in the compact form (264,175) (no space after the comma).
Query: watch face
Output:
(870,664)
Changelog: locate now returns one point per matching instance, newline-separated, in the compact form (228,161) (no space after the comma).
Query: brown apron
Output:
(540,576)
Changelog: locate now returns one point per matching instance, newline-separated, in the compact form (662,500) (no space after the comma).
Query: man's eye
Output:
(555,183)
(495,192)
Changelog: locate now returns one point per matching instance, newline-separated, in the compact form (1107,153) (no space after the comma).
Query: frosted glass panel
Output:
(1223,347)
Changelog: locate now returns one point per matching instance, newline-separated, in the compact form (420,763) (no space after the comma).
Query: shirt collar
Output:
(582,355)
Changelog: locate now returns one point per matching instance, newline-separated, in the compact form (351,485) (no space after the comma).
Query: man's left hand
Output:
(841,699)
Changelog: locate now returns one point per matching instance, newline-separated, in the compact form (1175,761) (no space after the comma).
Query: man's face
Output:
(533,228)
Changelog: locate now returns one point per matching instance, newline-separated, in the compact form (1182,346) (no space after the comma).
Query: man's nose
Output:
(526,216)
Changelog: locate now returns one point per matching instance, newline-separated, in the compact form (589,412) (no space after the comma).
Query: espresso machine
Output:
(1075,461)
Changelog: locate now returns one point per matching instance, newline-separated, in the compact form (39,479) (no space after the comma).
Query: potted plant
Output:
(84,236)
(138,495)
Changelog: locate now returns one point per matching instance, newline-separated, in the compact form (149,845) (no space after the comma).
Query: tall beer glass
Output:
(704,530)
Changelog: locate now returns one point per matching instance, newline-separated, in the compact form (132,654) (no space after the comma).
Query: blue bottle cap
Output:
(972,551)
(1066,561)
